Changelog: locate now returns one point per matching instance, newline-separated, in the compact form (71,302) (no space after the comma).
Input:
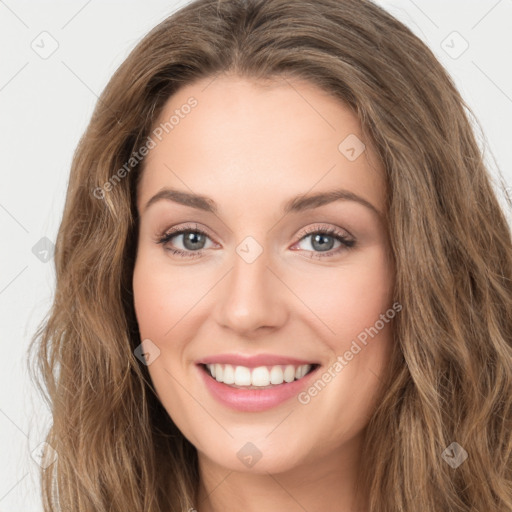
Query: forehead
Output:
(272,139)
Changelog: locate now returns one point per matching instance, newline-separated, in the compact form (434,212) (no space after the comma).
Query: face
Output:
(263,255)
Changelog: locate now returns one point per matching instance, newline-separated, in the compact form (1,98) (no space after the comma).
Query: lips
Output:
(255,383)
(254,399)
(258,370)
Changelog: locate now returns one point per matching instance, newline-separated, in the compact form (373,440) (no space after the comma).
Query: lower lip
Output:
(254,400)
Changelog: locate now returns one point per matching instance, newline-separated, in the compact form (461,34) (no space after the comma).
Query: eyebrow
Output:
(295,204)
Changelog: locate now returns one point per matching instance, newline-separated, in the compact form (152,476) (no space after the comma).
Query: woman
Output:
(283,277)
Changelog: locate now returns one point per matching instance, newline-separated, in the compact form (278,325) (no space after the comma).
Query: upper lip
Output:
(253,361)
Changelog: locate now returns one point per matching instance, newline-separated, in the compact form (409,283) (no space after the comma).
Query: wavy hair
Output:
(450,379)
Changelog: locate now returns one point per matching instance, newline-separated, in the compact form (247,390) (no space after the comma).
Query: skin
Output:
(250,147)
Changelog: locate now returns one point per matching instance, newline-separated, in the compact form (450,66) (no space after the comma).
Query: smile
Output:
(258,386)
(261,377)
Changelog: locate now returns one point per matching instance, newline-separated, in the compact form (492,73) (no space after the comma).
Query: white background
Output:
(45,105)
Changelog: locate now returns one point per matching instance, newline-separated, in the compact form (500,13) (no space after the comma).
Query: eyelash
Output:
(347,243)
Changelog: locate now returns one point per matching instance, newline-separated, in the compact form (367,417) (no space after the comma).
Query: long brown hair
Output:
(450,380)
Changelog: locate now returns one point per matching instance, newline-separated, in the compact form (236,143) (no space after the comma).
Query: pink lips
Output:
(254,400)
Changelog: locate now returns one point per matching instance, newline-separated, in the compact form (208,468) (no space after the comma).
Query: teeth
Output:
(229,375)
(289,373)
(261,376)
(219,372)
(242,376)
(276,375)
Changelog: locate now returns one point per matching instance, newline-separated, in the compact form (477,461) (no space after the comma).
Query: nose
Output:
(252,299)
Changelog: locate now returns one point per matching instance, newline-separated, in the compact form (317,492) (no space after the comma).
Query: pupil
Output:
(319,238)
(191,240)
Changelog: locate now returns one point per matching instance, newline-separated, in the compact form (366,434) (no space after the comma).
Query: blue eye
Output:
(194,239)
(323,239)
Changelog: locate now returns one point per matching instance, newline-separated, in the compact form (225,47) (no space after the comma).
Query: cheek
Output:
(160,310)
(163,295)
(350,301)
(169,312)
(351,297)
(151,302)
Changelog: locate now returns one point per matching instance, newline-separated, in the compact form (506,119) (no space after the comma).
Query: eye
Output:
(192,239)
(321,241)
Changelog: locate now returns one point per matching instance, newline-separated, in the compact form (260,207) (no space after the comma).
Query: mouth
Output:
(258,378)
